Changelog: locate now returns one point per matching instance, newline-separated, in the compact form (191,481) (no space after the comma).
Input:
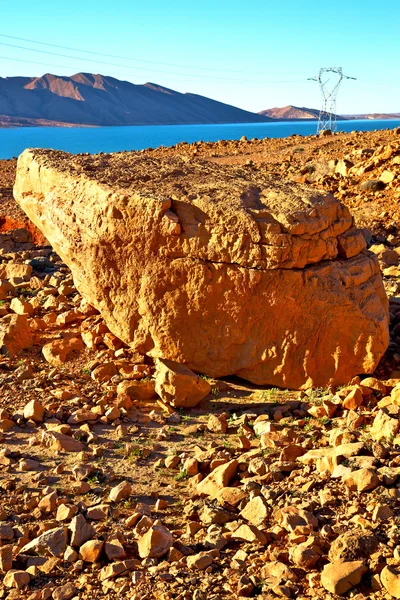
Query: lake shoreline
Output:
(78,140)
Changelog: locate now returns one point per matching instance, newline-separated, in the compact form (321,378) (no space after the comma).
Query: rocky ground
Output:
(109,492)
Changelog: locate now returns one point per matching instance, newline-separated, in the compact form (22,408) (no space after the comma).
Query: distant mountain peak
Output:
(290,112)
(95,99)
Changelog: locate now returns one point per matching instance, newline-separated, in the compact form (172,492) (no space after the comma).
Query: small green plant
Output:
(232,420)
(215,392)
(270,395)
(182,475)
(135,454)
(86,371)
(299,149)
(97,477)
(268,451)
(129,503)
(185,418)
(2,302)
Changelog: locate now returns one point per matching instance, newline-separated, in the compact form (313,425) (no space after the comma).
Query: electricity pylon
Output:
(327,114)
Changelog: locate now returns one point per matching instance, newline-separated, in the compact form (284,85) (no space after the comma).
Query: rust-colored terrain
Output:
(107,491)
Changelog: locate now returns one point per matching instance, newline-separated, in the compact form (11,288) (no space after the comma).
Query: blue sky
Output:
(255,54)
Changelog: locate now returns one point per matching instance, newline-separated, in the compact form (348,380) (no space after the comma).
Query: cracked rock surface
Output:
(225,270)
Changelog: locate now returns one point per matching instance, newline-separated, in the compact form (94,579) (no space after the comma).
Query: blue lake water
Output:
(114,139)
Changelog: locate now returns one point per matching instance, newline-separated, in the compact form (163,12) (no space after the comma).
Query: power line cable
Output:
(240,81)
(135,59)
(118,65)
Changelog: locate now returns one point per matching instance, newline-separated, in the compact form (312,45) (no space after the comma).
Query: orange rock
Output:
(361,480)
(90,551)
(354,398)
(21,308)
(178,385)
(218,479)
(249,533)
(16,579)
(220,281)
(340,577)
(15,334)
(14,270)
(155,542)
(56,353)
(137,390)
(390,579)
(34,411)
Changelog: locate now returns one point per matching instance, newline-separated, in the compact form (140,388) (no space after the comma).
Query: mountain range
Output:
(88,99)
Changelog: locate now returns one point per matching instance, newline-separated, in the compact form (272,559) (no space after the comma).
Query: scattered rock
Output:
(177,385)
(155,542)
(390,578)
(339,577)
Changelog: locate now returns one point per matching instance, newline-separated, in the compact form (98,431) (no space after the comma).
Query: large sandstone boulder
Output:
(216,267)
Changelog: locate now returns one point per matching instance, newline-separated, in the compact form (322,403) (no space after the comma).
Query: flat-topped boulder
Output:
(220,268)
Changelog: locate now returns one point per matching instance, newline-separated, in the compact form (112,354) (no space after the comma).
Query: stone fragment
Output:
(61,442)
(112,570)
(90,551)
(56,353)
(155,542)
(296,520)
(354,398)
(353,545)
(199,561)
(230,496)
(361,480)
(382,512)
(65,592)
(81,531)
(65,512)
(34,411)
(279,570)
(374,384)
(50,543)
(346,450)
(339,577)
(384,426)
(390,579)
(249,533)
(218,479)
(120,491)
(304,556)
(217,423)
(21,308)
(6,531)
(5,558)
(255,511)
(49,502)
(138,390)
(209,293)
(16,579)
(15,334)
(177,385)
(114,549)
(104,372)
(70,555)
